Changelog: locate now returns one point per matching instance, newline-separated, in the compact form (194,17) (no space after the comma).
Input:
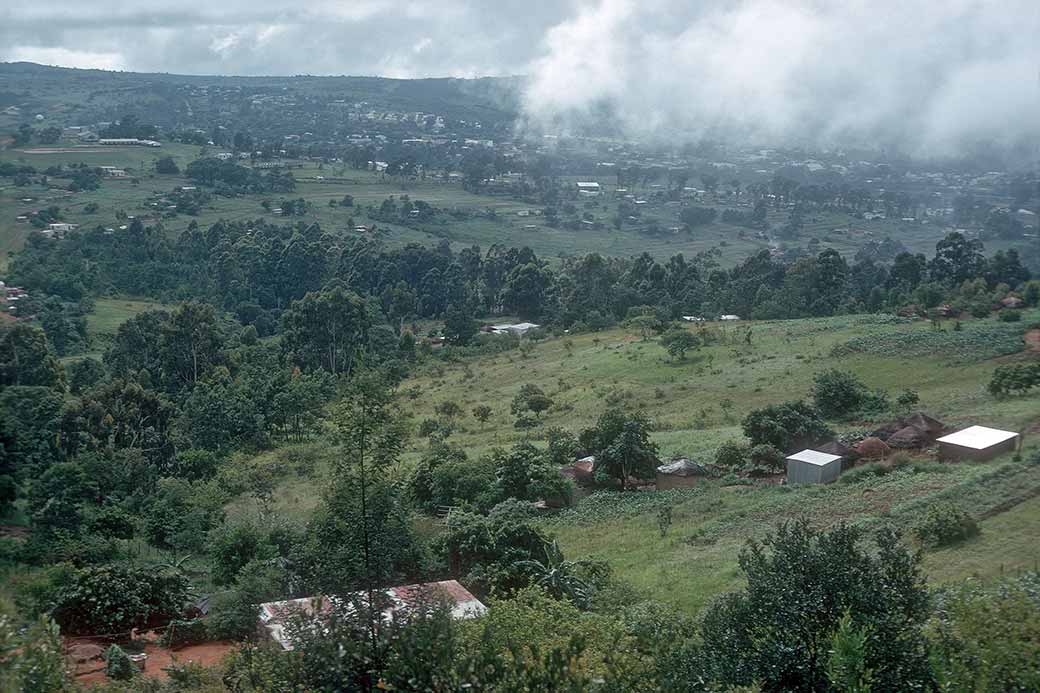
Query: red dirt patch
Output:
(159,658)
(1032,339)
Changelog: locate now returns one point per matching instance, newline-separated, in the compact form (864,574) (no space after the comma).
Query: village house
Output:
(680,473)
(274,617)
(979,443)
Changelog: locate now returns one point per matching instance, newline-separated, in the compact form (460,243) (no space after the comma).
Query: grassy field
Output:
(108,315)
(696,558)
(698,403)
(709,524)
(318,184)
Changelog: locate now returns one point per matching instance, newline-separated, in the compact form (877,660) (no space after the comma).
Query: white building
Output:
(519,329)
(589,188)
(274,616)
(977,443)
(813,467)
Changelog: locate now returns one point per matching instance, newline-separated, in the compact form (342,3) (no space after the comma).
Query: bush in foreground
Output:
(778,631)
(944,524)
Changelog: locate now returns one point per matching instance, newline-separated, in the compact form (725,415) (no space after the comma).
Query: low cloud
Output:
(922,76)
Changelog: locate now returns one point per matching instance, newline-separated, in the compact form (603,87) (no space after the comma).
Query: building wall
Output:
(947,451)
(667,481)
(805,473)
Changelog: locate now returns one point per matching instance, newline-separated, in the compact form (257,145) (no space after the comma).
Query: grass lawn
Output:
(1009,542)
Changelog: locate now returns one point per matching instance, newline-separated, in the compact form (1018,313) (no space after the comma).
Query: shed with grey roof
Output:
(813,467)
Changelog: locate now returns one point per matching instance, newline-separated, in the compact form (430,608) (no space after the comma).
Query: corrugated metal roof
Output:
(274,615)
(683,467)
(978,437)
(814,457)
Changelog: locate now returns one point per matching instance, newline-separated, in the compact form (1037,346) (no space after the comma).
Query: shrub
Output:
(864,472)
(768,457)
(775,634)
(838,393)
(434,429)
(944,524)
(118,665)
(113,599)
(988,637)
(490,551)
(785,426)
(1009,315)
(908,399)
(563,445)
(1014,379)
(731,455)
(184,633)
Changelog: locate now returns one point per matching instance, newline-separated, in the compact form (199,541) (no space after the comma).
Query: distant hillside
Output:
(67,96)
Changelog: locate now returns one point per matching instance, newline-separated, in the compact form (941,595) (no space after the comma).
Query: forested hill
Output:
(86,96)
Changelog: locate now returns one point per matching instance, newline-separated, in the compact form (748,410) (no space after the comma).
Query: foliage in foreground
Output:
(988,638)
(779,630)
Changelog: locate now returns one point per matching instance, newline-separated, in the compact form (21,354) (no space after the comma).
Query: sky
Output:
(934,75)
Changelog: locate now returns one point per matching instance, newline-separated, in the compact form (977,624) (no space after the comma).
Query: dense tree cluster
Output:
(257,270)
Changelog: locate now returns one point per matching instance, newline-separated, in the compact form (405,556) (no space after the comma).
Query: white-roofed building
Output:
(274,616)
(590,188)
(977,443)
(813,467)
(520,328)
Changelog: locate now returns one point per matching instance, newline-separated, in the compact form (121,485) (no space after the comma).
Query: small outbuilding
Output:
(813,467)
(680,473)
(977,443)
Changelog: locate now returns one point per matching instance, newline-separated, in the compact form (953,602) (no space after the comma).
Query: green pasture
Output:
(583,373)
(697,403)
(696,559)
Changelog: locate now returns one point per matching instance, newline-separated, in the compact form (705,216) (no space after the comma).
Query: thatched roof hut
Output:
(835,448)
(872,448)
(883,431)
(931,427)
(908,437)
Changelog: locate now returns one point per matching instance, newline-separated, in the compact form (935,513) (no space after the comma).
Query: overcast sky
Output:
(256,37)
(932,74)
